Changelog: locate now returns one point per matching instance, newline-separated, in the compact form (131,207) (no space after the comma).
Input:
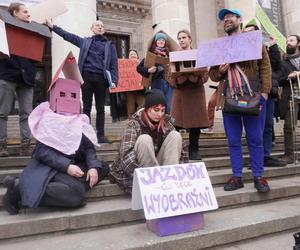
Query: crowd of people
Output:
(59,174)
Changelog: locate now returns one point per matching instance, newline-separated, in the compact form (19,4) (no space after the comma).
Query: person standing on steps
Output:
(97,56)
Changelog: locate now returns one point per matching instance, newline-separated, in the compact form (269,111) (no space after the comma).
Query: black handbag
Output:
(243,102)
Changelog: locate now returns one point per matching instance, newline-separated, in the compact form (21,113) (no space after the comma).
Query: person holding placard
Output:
(188,102)
(134,98)
(159,46)
(17,76)
(239,79)
(98,64)
(150,139)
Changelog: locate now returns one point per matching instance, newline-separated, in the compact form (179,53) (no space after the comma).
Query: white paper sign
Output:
(172,190)
(4,51)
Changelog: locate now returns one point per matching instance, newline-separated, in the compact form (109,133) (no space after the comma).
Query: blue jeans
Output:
(268,130)
(164,86)
(254,126)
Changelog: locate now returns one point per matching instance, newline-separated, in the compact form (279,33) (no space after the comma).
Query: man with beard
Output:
(258,73)
(289,70)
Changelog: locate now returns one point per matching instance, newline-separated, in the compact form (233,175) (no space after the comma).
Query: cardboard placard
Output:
(270,27)
(129,78)
(184,61)
(46,9)
(150,60)
(172,190)
(4,51)
(246,46)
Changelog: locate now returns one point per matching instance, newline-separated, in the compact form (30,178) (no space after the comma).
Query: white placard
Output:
(173,190)
(4,51)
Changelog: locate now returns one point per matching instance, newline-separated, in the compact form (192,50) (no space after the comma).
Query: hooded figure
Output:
(150,139)
(64,164)
(156,76)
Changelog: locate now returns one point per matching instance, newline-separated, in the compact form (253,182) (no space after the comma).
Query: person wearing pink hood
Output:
(64,165)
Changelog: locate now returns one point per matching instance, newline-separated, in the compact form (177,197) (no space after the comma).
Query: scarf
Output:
(294,59)
(161,51)
(238,82)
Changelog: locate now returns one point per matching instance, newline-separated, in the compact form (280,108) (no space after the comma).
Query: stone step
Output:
(218,178)
(221,226)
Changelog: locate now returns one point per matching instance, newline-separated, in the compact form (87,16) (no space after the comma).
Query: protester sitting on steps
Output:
(64,165)
(150,139)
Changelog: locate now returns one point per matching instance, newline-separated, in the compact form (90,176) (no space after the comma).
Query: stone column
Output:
(77,20)
(170,16)
(291,16)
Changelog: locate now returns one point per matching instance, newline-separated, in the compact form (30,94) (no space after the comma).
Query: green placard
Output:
(270,27)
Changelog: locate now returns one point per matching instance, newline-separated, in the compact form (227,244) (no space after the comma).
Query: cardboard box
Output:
(184,61)
(176,224)
(25,39)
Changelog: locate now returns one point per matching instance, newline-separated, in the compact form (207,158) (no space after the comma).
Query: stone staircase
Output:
(107,221)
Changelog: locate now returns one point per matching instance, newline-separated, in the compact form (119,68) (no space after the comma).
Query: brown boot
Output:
(3,148)
(25,149)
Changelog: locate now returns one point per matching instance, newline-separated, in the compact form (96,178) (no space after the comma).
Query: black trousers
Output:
(64,191)
(194,136)
(94,84)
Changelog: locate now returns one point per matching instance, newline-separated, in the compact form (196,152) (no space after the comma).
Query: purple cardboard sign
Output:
(183,55)
(246,46)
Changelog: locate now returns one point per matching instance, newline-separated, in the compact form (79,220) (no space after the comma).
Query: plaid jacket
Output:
(123,167)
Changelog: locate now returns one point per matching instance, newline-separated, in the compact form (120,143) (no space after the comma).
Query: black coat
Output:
(18,69)
(46,162)
(286,68)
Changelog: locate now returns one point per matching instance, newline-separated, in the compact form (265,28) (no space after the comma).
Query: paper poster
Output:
(4,51)
(129,78)
(270,27)
(230,49)
(46,9)
(172,190)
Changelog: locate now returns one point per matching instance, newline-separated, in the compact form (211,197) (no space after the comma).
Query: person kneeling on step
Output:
(64,165)
(150,139)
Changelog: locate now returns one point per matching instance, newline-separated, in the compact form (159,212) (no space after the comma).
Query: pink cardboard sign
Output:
(246,46)
(184,55)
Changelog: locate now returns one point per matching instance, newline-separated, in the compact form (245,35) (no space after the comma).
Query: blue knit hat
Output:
(160,35)
(224,12)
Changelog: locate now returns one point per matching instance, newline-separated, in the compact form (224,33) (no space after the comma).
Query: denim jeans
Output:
(254,126)
(24,97)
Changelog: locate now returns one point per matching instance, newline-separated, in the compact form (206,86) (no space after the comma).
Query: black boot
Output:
(194,144)
(12,197)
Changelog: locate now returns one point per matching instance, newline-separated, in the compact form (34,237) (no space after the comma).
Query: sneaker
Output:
(195,155)
(234,183)
(289,159)
(261,184)
(209,130)
(270,161)
(25,148)
(10,200)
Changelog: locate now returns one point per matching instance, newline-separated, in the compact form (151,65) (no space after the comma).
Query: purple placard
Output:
(184,55)
(231,49)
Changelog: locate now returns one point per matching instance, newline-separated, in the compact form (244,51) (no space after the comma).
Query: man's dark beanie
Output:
(154,97)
